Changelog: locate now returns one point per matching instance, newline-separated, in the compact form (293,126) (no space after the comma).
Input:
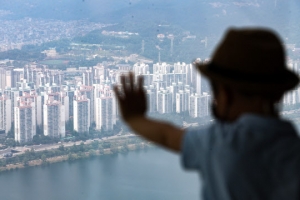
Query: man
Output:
(249,152)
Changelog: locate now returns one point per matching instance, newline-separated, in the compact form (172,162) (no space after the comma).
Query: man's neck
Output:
(260,108)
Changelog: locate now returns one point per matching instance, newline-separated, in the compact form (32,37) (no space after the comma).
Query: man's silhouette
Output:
(249,152)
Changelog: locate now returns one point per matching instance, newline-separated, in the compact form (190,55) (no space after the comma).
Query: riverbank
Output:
(76,156)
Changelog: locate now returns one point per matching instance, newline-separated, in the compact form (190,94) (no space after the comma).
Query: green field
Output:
(54,62)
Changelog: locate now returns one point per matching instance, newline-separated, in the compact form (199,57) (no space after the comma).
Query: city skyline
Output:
(47,99)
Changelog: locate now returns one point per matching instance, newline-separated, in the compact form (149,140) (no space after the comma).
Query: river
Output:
(152,174)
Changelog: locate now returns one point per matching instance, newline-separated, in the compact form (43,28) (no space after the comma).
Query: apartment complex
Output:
(35,97)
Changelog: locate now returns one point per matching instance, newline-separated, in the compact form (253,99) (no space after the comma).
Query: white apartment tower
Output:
(199,105)
(64,99)
(13,94)
(182,101)
(205,101)
(151,99)
(54,119)
(164,101)
(105,114)
(40,99)
(6,77)
(81,112)
(196,80)
(161,68)
(140,68)
(148,79)
(88,77)
(25,121)
(5,113)
(292,97)
(198,83)
(180,67)
(194,105)
(88,91)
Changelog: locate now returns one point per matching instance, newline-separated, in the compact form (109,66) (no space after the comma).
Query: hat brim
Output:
(270,83)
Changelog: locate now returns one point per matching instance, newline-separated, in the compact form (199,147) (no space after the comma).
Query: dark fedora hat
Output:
(250,59)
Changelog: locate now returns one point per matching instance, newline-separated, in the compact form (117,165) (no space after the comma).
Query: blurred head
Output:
(248,73)
(229,103)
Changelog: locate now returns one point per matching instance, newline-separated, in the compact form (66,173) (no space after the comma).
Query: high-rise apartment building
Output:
(194,110)
(182,101)
(148,79)
(12,94)
(164,101)
(17,76)
(180,67)
(105,106)
(25,121)
(71,95)
(6,77)
(64,99)
(54,119)
(199,105)
(205,101)
(88,91)
(88,77)
(161,68)
(151,99)
(40,100)
(104,114)
(81,111)
(292,97)
(5,113)
(99,73)
(140,68)
(198,84)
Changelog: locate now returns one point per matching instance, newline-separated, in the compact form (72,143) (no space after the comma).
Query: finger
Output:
(123,82)
(131,81)
(117,92)
(140,83)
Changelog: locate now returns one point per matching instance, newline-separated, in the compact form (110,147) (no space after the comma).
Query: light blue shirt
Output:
(253,158)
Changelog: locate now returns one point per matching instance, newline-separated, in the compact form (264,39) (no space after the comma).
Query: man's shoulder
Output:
(248,128)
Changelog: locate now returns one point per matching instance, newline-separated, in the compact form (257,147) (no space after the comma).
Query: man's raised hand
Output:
(132,97)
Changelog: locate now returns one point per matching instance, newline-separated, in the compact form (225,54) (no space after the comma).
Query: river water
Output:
(152,174)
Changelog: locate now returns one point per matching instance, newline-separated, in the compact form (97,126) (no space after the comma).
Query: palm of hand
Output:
(132,99)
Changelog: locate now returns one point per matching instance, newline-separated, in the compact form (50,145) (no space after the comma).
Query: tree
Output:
(114,150)
(31,154)
(92,127)
(44,159)
(61,147)
(101,151)
(117,127)
(95,144)
(26,160)
(106,144)
(3,162)
(82,147)
(92,153)
(70,125)
(39,130)
(11,132)
(42,139)
(10,142)
(81,154)
(74,148)
(71,157)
